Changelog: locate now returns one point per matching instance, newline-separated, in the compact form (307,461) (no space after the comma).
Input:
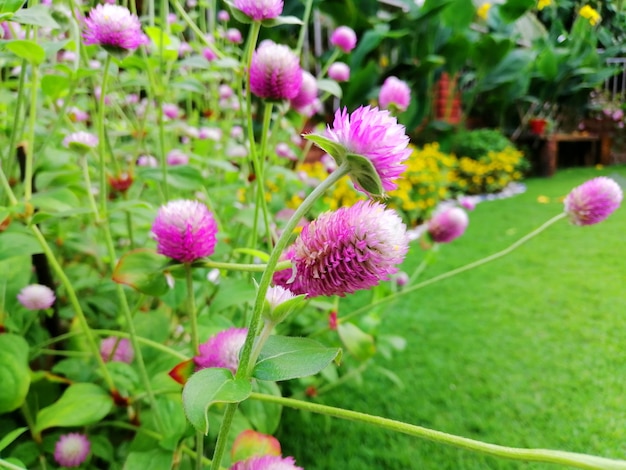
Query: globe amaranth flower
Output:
(114,28)
(267,462)
(347,250)
(376,135)
(307,94)
(260,10)
(339,71)
(344,38)
(116,350)
(80,142)
(71,449)
(275,72)
(176,157)
(448,224)
(36,297)
(185,230)
(221,350)
(593,201)
(250,443)
(394,93)
(234,35)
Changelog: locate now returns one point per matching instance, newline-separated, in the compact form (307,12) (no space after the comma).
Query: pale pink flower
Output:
(221,350)
(72,449)
(114,349)
(448,225)
(114,28)
(36,297)
(344,38)
(593,201)
(275,72)
(394,93)
(267,462)
(260,10)
(339,71)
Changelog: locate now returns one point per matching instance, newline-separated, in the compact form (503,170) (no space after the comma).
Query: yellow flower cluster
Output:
(590,14)
(541,4)
(483,11)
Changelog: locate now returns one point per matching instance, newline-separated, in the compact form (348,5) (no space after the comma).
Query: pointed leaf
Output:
(14,372)
(284,358)
(335,150)
(11,6)
(360,344)
(330,86)
(10,437)
(280,20)
(154,459)
(28,50)
(80,404)
(142,269)
(513,9)
(210,386)
(364,174)
(181,372)
(54,86)
(39,15)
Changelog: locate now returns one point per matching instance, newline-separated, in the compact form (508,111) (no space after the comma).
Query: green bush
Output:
(476,144)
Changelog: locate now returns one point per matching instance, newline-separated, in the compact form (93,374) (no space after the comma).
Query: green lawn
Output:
(527,351)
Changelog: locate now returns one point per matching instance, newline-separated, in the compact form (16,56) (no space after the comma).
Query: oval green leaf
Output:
(14,372)
(28,50)
(360,344)
(142,270)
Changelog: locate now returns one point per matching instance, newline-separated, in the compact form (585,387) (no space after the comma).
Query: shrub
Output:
(478,143)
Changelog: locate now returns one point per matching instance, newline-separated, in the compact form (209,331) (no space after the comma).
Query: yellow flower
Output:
(541,4)
(483,11)
(589,13)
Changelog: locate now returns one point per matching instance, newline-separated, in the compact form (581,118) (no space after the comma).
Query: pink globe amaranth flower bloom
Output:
(185,230)
(36,297)
(122,353)
(283,150)
(341,252)
(225,91)
(344,38)
(209,54)
(223,15)
(147,161)
(71,449)
(234,35)
(593,201)
(211,133)
(77,115)
(80,141)
(177,157)
(221,350)
(260,10)
(114,28)
(275,72)
(170,110)
(448,225)
(307,94)
(267,462)
(339,71)
(394,93)
(377,136)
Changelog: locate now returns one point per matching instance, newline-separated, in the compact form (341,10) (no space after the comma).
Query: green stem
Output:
(253,268)
(267,120)
(245,361)
(268,326)
(305,24)
(73,299)
(194,27)
(32,114)
(529,455)
(330,62)
(459,270)
(90,197)
(102,140)
(146,341)
(28,417)
(422,266)
(9,465)
(7,187)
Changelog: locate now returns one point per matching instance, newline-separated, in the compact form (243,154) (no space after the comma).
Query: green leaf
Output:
(54,86)
(284,358)
(28,50)
(364,174)
(9,438)
(142,269)
(265,417)
(233,292)
(56,200)
(14,372)
(262,255)
(210,386)
(284,309)
(237,13)
(360,344)
(332,148)
(17,241)
(181,177)
(513,9)
(39,15)
(80,404)
(330,86)
(280,20)
(157,35)
(11,6)
(155,459)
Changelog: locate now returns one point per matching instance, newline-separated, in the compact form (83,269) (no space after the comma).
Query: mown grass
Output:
(527,351)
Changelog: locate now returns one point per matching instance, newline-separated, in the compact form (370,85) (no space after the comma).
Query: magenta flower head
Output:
(339,71)
(36,297)
(222,350)
(307,94)
(375,135)
(593,201)
(344,251)
(209,54)
(185,230)
(344,38)
(275,72)
(234,35)
(448,225)
(267,462)
(80,142)
(114,350)
(71,449)
(394,93)
(114,28)
(177,157)
(259,10)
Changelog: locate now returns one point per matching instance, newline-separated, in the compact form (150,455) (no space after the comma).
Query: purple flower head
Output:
(468,203)
(283,150)
(185,230)
(225,91)
(307,94)
(116,351)
(223,15)
(114,28)
(394,93)
(209,54)
(260,10)
(377,136)
(77,115)
(448,224)
(36,297)
(339,71)
(177,157)
(267,462)
(344,251)
(275,72)
(344,38)
(593,201)
(211,133)
(170,110)
(71,449)
(148,161)
(80,142)
(222,350)
(234,35)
